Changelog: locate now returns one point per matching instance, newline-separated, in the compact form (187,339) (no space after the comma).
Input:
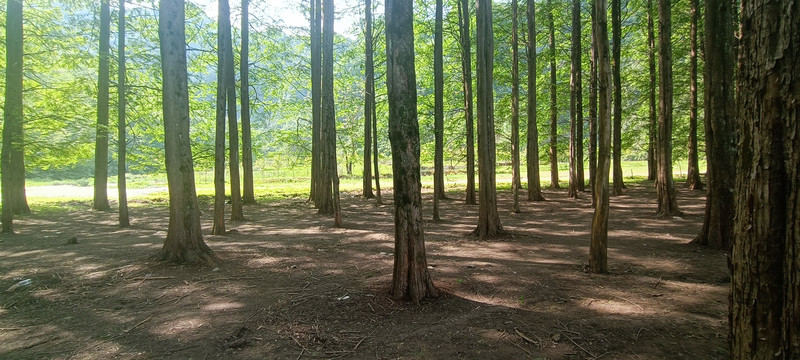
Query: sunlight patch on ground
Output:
(222,306)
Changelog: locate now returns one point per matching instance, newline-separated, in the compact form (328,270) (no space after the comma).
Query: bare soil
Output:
(290,286)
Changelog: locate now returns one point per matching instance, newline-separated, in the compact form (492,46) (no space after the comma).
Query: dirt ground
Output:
(289,286)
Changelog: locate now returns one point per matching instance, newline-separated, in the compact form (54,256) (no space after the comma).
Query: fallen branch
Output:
(581,347)
(525,337)
(521,348)
(137,325)
(145,278)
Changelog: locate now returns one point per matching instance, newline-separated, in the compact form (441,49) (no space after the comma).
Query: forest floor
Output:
(290,286)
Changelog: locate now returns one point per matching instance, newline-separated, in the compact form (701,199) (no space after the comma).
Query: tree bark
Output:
(616,29)
(233,126)
(248,197)
(488,218)
(410,280)
(532,149)
(667,200)
(553,118)
(466,71)
(13,152)
(316,102)
(101,138)
(576,107)
(717,231)
(184,242)
(330,184)
(693,181)
(598,256)
(652,148)
(218,227)
(438,113)
(375,154)
(369,96)
(593,110)
(515,177)
(124,218)
(765,261)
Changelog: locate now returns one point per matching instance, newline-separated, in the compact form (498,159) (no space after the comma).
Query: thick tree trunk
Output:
(593,110)
(466,71)
(122,141)
(438,113)
(330,194)
(576,107)
(652,149)
(411,280)
(369,78)
(515,178)
(13,152)
(765,296)
(184,242)
(532,149)
(693,181)
(248,197)
(488,218)
(316,102)
(101,138)
(233,126)
(598,258)
(667,200)
(553,118)
(218,227)
(616,29)
(717,231)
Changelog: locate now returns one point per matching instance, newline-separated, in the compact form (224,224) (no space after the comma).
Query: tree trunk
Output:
(316,102)
(438,114)
(369,96)
(515,178)
(233,126)
(466,71)
(532,149)
(13,152)
(717,231)
(330,194)
(101,138)
(553,119)
(248,197)
(411,280)
(765,296)
(652,148)
(124,218)
(593,109)
(693,181)
(576,107)
(378,199)
(218,227)
(488,218)
(616,29)
(667,200)
(598,257)
(184,242)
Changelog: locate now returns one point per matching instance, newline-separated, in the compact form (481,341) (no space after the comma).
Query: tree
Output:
(466,71)
(218,227)
(101,139)
(652,161)
(598,255)
(411,279)
(693,181)
(515,181)
(330,180)
(369,100)
(488,218)
(667,201)
(248,197)
(593,109)
(229,80)
(553,118)
(717,231)
(532,149)
(13,153)
(121,122)
(765,261)
(184,242)
(576,107)
(438,113)
(316,101)
(616,35)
